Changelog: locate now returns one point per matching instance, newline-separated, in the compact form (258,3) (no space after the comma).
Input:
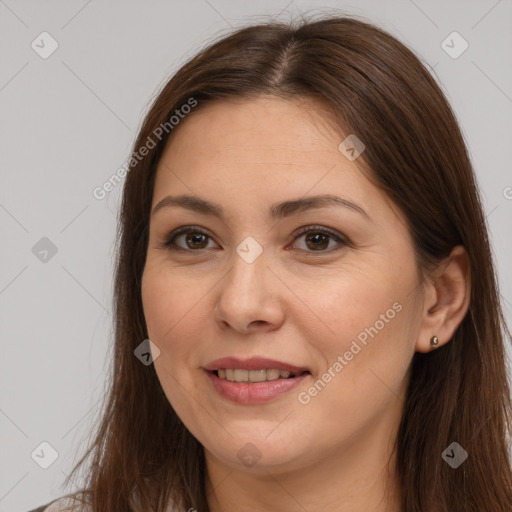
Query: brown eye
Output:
(196,240)
(191,239)
(318,239)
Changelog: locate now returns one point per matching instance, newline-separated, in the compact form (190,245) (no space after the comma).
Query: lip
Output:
(253,363)
(250,393)
(254,392)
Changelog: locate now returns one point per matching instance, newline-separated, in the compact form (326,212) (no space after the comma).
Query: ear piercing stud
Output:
(434,341)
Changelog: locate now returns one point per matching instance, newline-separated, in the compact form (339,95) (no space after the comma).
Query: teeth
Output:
(239,375)
(257,375)
(272,374)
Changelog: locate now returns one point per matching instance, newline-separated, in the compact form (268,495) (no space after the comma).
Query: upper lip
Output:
(253,363)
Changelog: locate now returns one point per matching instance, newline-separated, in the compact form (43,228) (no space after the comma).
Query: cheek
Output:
(364,362)
(168,299)
(347,304)
(366,318)
(176,310)
(170,309)
(155,301)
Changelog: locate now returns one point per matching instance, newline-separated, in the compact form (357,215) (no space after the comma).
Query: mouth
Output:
(254,376)
(254,381)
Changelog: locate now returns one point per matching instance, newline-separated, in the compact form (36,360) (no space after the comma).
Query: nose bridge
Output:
(245,295)
(249,266)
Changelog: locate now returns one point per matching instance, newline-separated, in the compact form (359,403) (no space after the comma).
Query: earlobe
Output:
(434,341)
(449,296)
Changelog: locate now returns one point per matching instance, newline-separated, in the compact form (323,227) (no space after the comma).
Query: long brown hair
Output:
(415,153)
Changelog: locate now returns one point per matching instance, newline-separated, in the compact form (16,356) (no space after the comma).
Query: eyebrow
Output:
(276,211)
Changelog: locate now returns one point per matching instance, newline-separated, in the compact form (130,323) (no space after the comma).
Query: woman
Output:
(302,240)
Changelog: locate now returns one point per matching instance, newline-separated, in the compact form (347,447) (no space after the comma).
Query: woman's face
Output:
(273,279)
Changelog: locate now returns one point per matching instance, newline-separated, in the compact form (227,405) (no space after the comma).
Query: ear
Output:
(447,293)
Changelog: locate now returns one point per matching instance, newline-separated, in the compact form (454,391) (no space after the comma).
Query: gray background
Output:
(67,124)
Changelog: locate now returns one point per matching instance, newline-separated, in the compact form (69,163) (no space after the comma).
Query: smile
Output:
(273,384)
(241,375)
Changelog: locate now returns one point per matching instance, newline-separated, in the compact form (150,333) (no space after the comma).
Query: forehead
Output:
(255,137)
(264,124)
(260,151)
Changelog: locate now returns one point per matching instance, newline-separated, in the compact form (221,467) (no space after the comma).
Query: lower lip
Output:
(254,392)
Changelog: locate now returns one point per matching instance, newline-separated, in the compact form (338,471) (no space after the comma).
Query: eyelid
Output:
(169,239)
(340,238)
(322,229)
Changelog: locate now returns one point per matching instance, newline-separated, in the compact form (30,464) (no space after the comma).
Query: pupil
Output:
(315,238)
(195,239)
(320,240)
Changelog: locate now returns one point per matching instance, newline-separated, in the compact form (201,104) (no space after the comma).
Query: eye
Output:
(195,239)
(318,238)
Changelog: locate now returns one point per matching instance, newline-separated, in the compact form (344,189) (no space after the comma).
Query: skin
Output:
(293,303)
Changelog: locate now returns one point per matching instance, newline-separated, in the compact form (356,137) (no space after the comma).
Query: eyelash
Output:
(170,245)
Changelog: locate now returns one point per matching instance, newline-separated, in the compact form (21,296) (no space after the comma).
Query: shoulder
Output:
(64,504)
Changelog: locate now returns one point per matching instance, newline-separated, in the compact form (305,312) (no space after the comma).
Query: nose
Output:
(248,299)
